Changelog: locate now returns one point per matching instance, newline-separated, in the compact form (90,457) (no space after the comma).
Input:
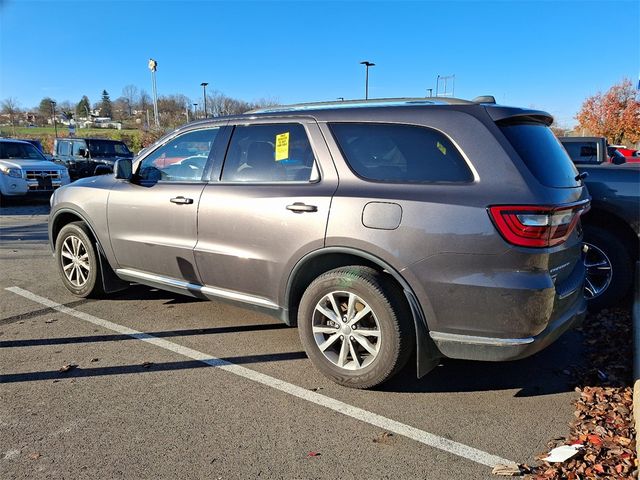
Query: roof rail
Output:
(379,102)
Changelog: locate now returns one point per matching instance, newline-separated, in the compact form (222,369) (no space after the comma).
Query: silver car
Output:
(25,171)
(385,230)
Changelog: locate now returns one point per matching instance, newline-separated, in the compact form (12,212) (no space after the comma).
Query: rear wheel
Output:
(355,326)
(77,261)
(608,266)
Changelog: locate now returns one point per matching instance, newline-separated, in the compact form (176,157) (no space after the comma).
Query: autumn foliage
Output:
(614,114)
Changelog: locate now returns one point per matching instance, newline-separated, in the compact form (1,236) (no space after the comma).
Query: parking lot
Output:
(160,385)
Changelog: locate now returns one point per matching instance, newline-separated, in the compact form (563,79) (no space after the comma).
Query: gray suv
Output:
(385,230)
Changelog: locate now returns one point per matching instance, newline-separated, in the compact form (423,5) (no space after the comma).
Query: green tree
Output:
(83,108)
(45,109)
(106,109)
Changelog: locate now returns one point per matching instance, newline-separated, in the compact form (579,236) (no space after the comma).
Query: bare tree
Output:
(130,94)
(10,106)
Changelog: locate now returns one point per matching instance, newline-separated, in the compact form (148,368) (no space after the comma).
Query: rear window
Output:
(400,153)
(543,154)
(582,152)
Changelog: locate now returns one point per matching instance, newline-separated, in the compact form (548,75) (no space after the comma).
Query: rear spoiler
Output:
(517,115)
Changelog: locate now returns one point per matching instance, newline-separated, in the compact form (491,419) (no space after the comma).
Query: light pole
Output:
(367,64)
(204,97)
(153,66)
(341,99)
(53,114)
(430,90)
(195,111)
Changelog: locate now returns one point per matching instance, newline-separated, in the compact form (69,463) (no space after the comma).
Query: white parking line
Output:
(371,418)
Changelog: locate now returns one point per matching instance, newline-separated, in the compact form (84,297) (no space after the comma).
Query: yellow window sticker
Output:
(282,146)
(442,148)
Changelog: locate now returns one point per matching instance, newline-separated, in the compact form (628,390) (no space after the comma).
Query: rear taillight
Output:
(536,226)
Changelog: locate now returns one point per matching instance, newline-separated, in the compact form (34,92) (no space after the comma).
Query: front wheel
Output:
(355,326)
(77,261)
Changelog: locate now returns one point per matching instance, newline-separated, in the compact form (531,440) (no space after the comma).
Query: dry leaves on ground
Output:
(603,420)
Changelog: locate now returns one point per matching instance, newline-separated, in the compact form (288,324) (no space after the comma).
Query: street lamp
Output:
(153,66)
(53,114)
(341,99)
(195,111)
(204,97)
(367,64)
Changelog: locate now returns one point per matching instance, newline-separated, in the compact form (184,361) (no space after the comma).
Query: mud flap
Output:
(427,353)
(110,281)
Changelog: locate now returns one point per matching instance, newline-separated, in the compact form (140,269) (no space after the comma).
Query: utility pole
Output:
(204,97)
(153,66)
(367,64)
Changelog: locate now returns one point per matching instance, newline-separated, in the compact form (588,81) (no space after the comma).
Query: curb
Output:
(635,315)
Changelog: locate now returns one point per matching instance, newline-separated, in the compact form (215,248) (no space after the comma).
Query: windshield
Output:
(108,148)
(543,154)
(16,150)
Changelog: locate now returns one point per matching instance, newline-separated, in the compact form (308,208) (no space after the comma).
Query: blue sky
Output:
(547,54)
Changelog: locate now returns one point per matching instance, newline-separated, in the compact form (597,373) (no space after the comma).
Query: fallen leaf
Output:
(146,364)
(66,368)
(314,454)
(511,470)
(34,456)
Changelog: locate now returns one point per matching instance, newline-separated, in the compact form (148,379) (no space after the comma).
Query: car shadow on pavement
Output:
(37,342)
(24,233)
(146,367)
(38,205)
(137,292)
(546,372)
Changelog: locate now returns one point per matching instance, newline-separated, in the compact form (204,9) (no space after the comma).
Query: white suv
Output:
(24,170)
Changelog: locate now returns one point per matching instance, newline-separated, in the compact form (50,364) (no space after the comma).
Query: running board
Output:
(193,289)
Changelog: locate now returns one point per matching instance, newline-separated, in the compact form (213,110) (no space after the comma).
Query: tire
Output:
(611,249)
(380,355)
(83,278)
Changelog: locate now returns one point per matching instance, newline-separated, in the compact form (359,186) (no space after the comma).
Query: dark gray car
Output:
(384,230)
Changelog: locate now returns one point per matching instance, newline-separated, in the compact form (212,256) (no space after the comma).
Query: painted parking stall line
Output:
(426,438)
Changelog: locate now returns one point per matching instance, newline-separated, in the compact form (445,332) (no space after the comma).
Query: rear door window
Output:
(269,153)
(542,153)
(395,153)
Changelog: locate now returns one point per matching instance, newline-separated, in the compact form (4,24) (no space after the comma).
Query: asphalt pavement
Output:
(165,386)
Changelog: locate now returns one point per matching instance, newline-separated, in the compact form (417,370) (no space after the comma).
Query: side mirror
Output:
(82,152)
(123,169)
(618,160)
(102,170)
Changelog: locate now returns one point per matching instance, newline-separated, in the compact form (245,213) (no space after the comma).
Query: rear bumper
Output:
(470,347)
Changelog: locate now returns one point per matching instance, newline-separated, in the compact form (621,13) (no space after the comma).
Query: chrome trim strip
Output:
(473,340)
(207,291)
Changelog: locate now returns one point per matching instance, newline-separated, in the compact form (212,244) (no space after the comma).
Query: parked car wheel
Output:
(355,327)
(609,273)
(77,261)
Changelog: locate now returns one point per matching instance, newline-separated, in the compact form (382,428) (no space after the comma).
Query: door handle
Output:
(182,200)
(299,207)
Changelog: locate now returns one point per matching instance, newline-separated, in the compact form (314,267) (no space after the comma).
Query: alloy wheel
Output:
(346,330)
(74,258)
(598,271)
